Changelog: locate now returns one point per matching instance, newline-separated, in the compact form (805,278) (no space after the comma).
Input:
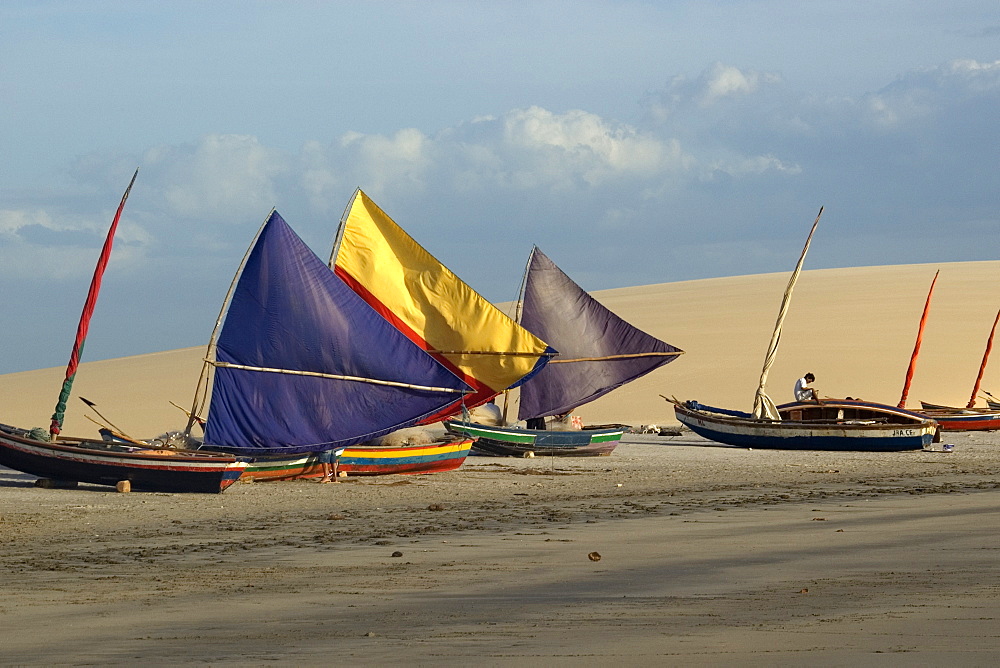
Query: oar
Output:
(200,421)
(93,407)
(115,432)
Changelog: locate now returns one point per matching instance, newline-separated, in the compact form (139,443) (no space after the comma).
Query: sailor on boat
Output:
(804,390)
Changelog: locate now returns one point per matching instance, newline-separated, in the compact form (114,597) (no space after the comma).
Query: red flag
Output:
(88,311)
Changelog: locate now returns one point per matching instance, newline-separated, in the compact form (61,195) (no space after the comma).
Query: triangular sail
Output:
(303,364)
(763,406)
(88,311)
(432,306)
(598,351)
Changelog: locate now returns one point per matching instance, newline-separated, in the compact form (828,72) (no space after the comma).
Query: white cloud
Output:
(722,81)
(399,161)
(223,177)
(585,141)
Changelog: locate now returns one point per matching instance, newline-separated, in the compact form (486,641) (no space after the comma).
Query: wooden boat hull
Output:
(963,419)
(510,442)
(863,427)
(405,459)
(102,463)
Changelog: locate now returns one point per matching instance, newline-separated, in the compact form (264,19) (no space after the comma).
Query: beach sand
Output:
(708,555)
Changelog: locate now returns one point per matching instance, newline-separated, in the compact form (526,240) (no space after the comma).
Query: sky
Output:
(633,142)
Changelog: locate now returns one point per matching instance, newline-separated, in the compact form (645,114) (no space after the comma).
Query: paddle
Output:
(121,431)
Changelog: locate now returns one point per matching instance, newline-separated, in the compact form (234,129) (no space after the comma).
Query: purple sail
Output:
(598,351)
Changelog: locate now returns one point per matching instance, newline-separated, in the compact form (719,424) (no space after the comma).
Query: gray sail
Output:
(598,351)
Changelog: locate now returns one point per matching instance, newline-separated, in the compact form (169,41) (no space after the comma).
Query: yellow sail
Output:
(431,305)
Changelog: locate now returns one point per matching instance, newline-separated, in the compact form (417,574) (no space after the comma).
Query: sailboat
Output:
(832,424)
(950,418)
(125,466)
(433,307)
(302,368)
(598,352)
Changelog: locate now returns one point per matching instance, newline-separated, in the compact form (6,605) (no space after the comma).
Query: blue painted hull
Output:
(868,428)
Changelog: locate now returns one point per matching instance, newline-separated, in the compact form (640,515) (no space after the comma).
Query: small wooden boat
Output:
(951,418)
(105,463)
(262,468)
(360,460)
(835,424)
(407,459)
(516,442)
(963,419)
(82,460)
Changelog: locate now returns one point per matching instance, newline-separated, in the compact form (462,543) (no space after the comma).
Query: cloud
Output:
(708,151)
(44,246)
(223,177)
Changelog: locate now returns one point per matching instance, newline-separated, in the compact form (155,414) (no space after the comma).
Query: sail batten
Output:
(598,351)
(289,312)
(331,376)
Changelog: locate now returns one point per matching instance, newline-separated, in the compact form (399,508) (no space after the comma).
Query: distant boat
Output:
(304,368)
(950,418)
(66,459)
(832,424)
(598,352)
(969,418)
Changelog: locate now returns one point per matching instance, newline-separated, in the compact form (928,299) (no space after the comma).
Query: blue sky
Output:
(634,142)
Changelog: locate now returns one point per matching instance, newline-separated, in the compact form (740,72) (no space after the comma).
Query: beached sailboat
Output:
(304,368)
(57,457)
(598,353)
(951,418)
(833,424)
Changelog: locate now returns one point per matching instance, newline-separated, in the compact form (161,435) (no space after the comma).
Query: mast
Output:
(916,345)
(338,239)
(982,367)
(88,310)
(517,317)
(763,407)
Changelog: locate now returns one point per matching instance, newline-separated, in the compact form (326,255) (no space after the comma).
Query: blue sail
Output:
(304,365)
(598,351)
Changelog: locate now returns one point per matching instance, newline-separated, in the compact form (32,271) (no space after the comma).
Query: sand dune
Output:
(854,328)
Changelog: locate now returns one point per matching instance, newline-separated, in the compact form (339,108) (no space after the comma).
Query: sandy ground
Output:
(709,555)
